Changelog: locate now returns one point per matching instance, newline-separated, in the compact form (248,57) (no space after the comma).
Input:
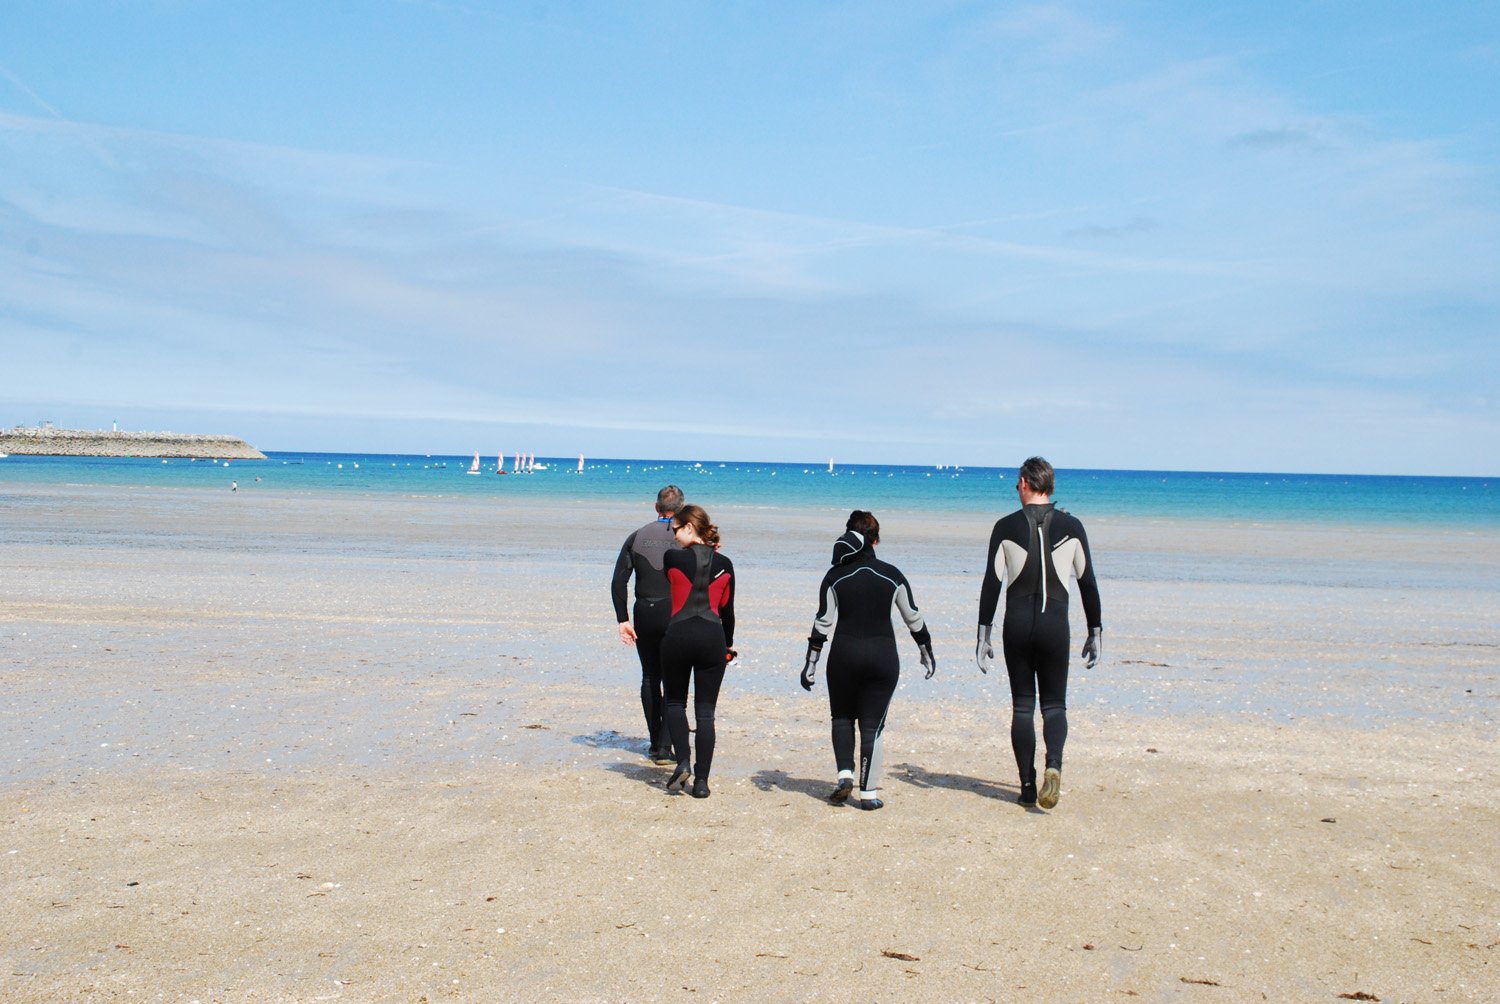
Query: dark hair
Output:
(865,524)
(668,500)
(694,516)
(1039,475)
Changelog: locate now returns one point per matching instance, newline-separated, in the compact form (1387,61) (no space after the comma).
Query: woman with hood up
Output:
(863,668)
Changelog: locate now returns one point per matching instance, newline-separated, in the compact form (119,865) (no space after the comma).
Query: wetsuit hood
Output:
(850,546)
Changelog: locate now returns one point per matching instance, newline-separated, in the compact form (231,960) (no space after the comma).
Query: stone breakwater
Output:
(88,443)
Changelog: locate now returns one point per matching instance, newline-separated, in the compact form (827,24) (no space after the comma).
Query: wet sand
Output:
(276,747)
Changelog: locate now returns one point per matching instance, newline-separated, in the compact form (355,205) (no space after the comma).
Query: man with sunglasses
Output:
(641,556)
(1034,553)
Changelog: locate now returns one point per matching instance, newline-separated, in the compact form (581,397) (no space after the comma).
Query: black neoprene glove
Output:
(984,650)
(1093,648)
(810,666)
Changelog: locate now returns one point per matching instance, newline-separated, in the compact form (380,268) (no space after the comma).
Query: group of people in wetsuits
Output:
(682,626)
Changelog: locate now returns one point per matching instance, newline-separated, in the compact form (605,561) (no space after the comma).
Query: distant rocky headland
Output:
(51,442)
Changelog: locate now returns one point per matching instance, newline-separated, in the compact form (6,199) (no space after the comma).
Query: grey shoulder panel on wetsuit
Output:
(906,603)
(642,555)
(828,609)
(1003,563)
(1070,553)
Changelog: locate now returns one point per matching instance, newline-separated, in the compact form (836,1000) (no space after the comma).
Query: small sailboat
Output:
(580,463)
(830,465)
(500,464)
(474,467)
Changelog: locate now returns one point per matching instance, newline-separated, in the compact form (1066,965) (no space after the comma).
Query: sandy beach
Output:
(262,746)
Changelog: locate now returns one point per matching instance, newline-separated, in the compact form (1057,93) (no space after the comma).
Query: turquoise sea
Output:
(1466,503)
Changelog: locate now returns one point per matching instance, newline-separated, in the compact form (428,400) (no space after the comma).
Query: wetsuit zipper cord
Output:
(1041,535)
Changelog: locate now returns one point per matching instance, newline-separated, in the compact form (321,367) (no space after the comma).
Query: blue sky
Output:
(1129,235)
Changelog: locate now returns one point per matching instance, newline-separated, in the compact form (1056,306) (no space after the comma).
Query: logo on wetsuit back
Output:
(652,548)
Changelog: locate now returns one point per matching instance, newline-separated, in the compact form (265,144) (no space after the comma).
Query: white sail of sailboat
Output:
(580,463)
(474,467)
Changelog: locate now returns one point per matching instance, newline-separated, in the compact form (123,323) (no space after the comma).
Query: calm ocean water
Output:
(1468,503)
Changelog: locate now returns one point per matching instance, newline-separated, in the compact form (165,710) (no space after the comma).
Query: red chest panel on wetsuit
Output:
(718,591)
(682,587)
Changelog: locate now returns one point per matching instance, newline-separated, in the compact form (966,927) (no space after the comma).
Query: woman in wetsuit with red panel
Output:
(697,643)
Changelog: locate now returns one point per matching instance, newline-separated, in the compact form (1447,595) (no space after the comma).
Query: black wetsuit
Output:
(642,555)
(698,638)
(1035,551)
(863,667)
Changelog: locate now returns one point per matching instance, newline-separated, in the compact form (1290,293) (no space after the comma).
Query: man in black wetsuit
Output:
(1034,552)
(641,555)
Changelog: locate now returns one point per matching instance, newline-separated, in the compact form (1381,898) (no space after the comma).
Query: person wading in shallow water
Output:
(1034,553)
(642,556)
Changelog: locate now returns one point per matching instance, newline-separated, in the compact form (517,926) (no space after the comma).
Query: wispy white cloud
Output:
(771,250)
(34,97)
(1276,139)
(1134,225)
(56,124)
